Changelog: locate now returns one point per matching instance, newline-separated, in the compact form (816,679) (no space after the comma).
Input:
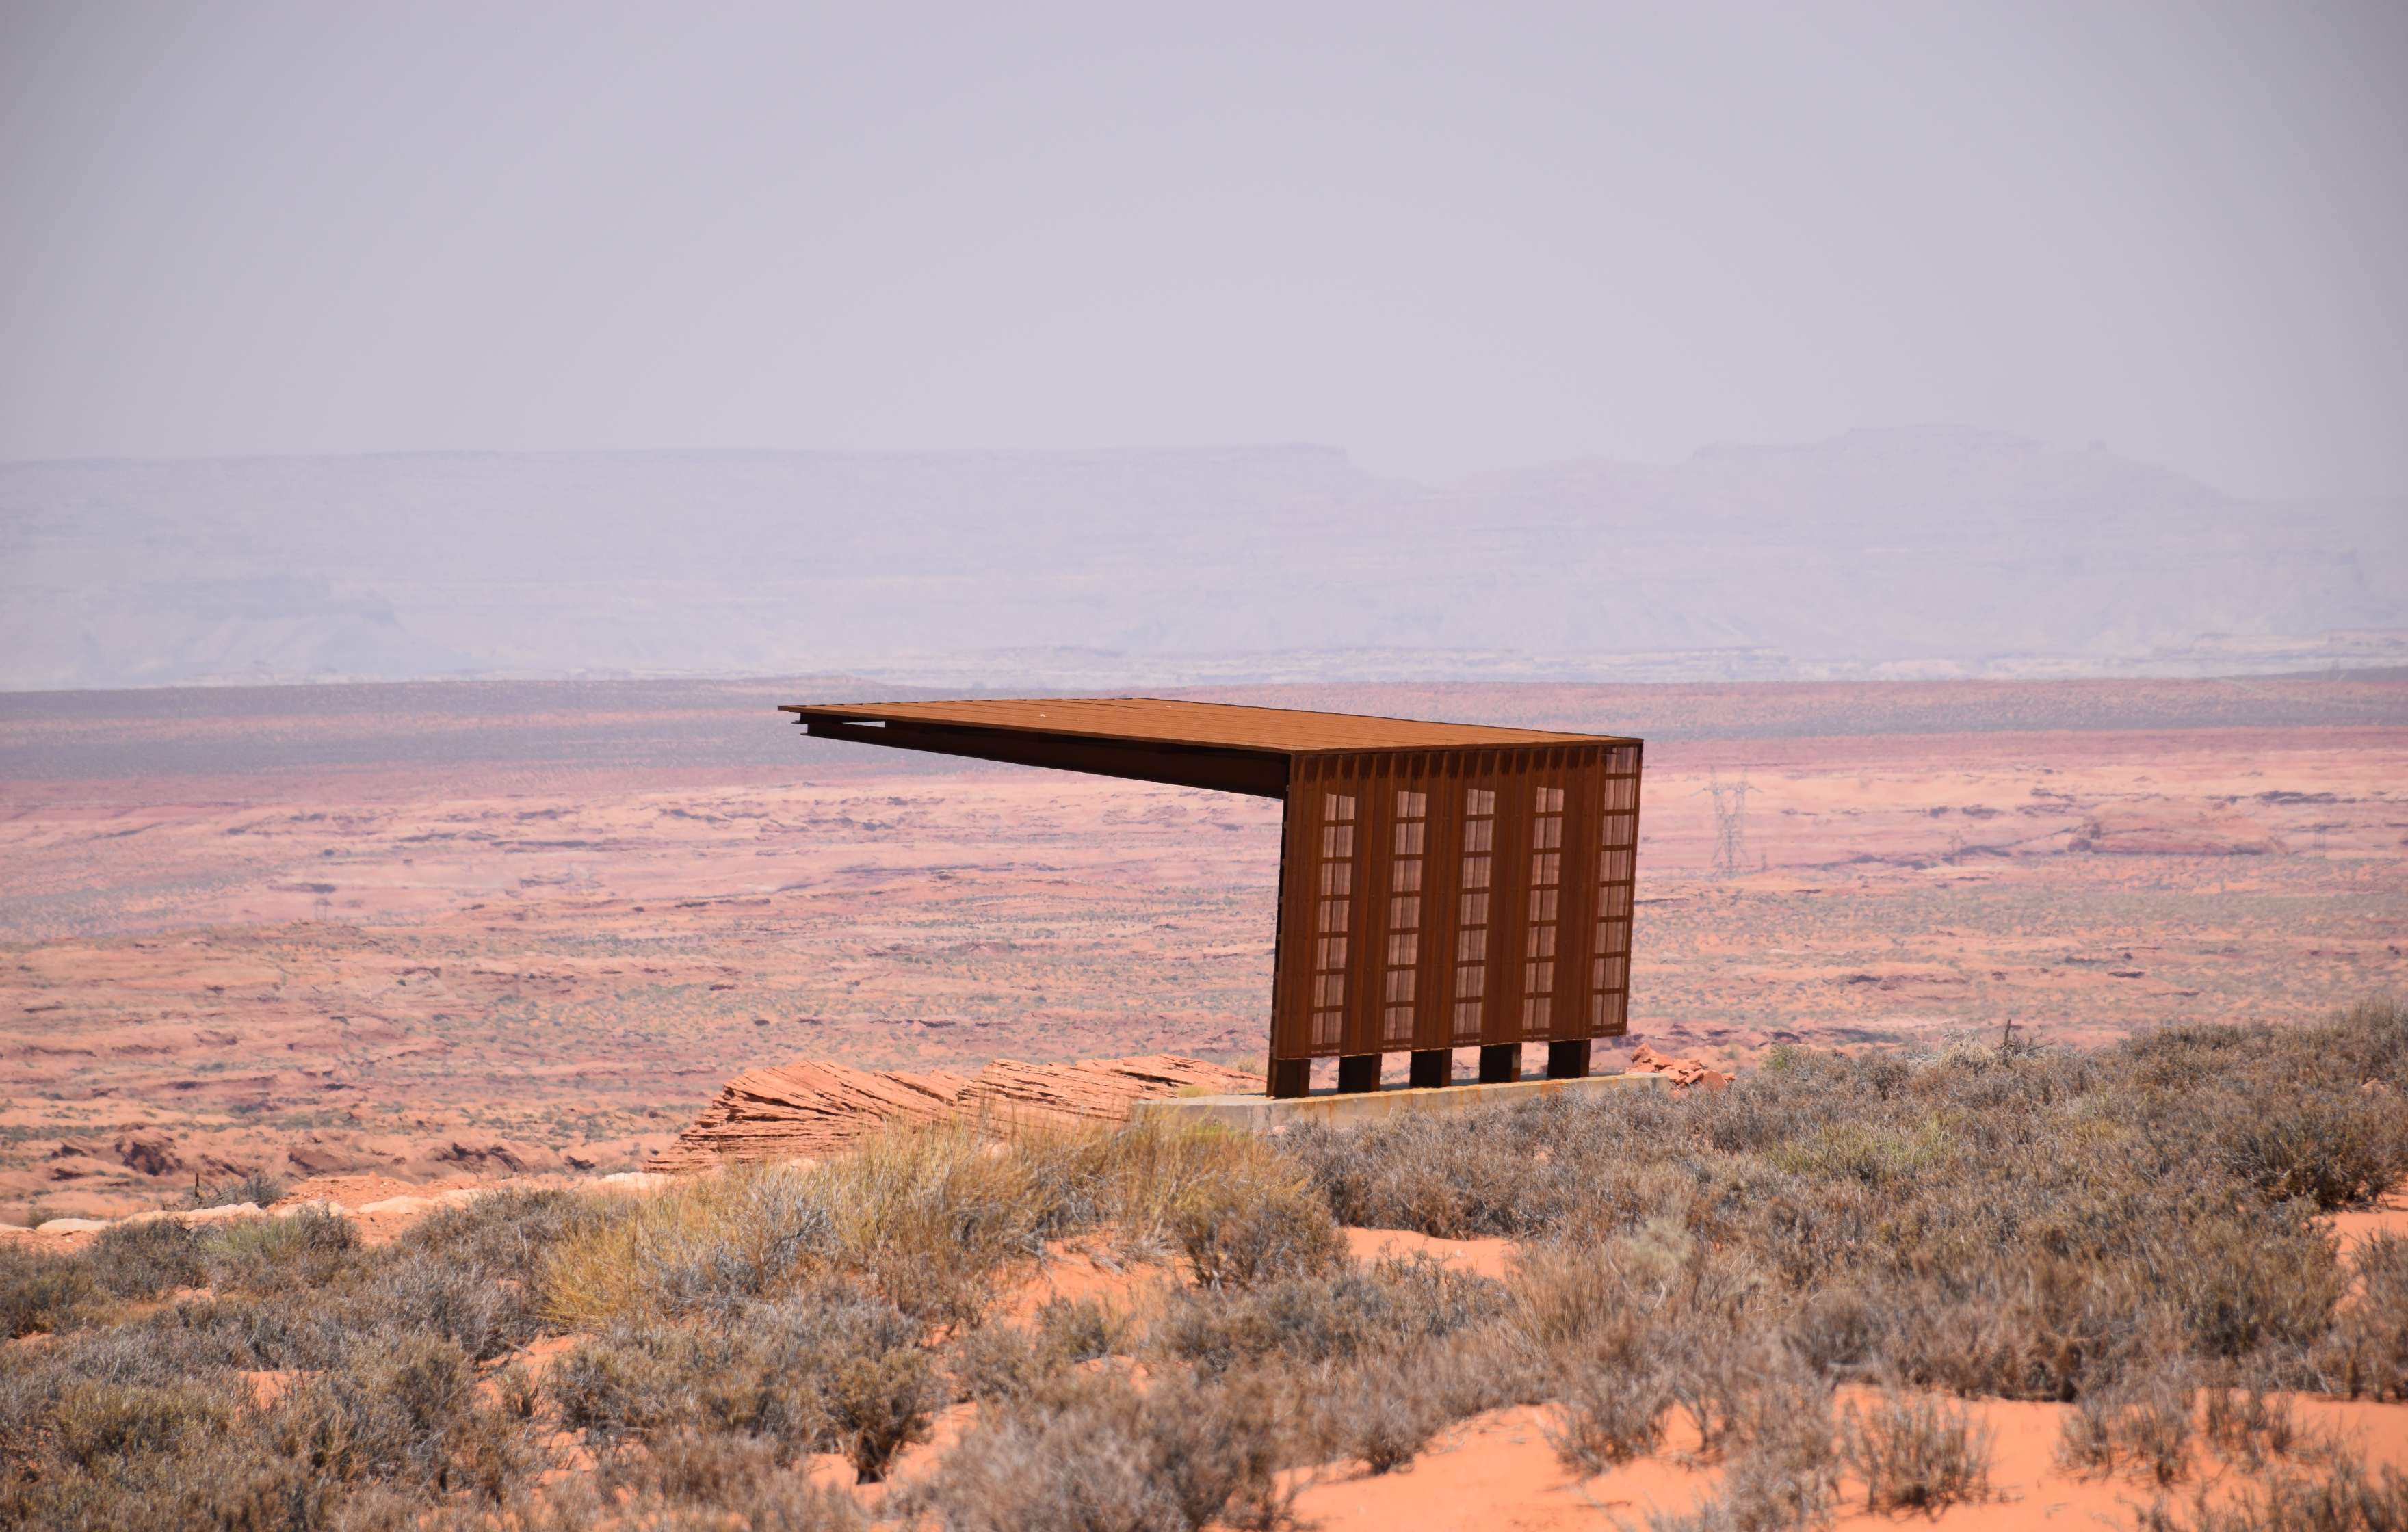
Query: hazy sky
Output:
(1446,239)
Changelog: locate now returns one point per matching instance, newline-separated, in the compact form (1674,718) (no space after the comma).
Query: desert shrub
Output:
(1079,1329)
(1381,1410)
(1007,1362)
(2333,1150)
(2020,1222)
(308,1251)
(2341,1497)
(504,1234)
(1634,1326)
(257,1187)
(1915,1453)
(1335,1316)
(144,1259)
(1782,1471)
(41,1292)
(772,1369)
(1516,1170)
(2250,1428)
(996,1362)
(878,1404)
(485,1316)
(1134,1179)
(474,1274)
(403,1411)
(2144,1419)
(1383,1406)
(1241,1230)
(2367,1353)
(123,1436)
(926,1216)
(1611,1414)
(99,1426)
(1103,1457)
(700,1480)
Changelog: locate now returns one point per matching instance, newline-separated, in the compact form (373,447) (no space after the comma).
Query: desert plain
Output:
(445,931)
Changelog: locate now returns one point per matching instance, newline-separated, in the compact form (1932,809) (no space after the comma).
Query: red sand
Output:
(1499,1471)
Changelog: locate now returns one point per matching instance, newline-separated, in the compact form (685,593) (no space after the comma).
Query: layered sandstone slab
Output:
(808,1108)
(1097,1090)
(812,1109)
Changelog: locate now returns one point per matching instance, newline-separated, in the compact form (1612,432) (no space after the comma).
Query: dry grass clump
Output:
(1372,1361)
(2143,1420)
(258,1188)
(2341,1497)
(929,1216)
(40,1292)
(146,1259)
(2247,1427)
(2367,1355)
(1915,1453)
(1632,1327)
(1097,1452)
(833,1369)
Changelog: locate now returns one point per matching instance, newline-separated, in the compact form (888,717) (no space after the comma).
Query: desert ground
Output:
(477,929)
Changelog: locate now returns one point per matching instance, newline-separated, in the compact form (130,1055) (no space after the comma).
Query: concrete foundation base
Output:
(1267,1114)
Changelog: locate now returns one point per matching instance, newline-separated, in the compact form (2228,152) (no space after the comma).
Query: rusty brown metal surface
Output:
(1159,721)
(1455,899)
(1442,886)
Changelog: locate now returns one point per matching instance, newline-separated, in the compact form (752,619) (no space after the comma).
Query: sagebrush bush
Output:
(1337,1314)
(309,1251)
(1915,1453)
(257,1187)
(2367,1355)
(2145,1421)
(147,1258)
(2029,1222)
(2337,1495)
(41,1292)
(1100,1454)
(833,1369)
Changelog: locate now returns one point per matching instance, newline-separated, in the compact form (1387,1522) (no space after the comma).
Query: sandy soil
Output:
(1498,1471)
(458,943)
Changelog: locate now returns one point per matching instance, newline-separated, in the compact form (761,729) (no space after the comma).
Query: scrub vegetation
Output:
(1806,1277)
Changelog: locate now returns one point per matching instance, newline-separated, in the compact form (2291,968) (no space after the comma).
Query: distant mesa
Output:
(810,1109)
(2205,835)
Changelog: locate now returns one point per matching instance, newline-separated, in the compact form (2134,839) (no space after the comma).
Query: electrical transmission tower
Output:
(1731,824)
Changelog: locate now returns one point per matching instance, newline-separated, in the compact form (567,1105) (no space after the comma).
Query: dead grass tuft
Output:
(1915,1453)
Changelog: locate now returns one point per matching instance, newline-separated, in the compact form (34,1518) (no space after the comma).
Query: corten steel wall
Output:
(1458,897)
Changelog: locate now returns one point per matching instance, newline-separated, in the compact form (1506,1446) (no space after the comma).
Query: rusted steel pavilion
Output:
(1442,886)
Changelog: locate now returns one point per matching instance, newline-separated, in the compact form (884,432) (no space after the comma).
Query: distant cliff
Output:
(1926,550)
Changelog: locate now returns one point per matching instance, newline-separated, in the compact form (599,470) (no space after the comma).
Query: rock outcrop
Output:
(1097,1090)
(2202,835)
(806,1109)
(1683,1073)
(812,1109)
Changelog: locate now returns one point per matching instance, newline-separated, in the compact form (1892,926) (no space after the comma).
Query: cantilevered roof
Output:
(1194,744)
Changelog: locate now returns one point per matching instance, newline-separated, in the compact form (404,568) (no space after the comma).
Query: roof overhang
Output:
(1222,747)
(1262,774)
